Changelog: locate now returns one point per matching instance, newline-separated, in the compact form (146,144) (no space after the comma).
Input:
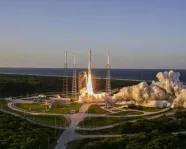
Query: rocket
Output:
(89,63)
(74,61)
(65,64)
(108,59)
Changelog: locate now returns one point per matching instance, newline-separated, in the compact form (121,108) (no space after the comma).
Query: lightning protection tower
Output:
(65,77)
(74,81)
(108,84)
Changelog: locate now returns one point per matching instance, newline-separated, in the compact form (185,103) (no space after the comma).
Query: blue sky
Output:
(137,33)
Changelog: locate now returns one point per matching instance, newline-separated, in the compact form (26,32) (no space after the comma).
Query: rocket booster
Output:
(89,64)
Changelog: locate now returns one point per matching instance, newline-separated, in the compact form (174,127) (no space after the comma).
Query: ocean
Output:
(131,74)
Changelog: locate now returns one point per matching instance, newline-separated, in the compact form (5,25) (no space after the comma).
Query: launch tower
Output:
(65,77)
(74,81)
(108,84)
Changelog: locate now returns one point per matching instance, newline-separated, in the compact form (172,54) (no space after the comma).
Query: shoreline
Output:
(118,79)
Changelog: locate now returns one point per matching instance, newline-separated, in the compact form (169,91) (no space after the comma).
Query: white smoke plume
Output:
(168,91)
(84,97)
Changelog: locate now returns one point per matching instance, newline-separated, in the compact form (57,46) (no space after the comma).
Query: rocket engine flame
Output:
(87,94)
(89,82)
(89,85)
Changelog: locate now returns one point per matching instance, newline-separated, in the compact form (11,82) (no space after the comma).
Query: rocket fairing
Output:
(74,61)
(108,59)
(65,57)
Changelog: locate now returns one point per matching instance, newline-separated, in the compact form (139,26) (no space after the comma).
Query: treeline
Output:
(17,85)
(153,140)
(147,134)
(17,133)
(163,123)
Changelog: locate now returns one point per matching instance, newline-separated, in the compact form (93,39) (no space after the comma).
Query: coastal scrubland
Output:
(17,133)
(17,85)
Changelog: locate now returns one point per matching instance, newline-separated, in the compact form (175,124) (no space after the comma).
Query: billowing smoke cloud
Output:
(168,91)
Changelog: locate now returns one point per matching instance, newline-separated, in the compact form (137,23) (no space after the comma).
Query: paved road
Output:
(69,134)
(84,107)
(115,124)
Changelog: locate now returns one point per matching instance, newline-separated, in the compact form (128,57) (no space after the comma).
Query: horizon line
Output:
(95,68)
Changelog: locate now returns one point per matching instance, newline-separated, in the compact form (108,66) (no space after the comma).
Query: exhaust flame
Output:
(89,85)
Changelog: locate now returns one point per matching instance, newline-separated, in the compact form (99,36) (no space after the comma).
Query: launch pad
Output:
(87,94)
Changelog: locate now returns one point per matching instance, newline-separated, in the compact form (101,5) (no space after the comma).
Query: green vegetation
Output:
(3,103)
(50,120)
(163,123)
(107,131)
(180,109)
(4,106)
(43,119)
(65,108)
(17,85)
(17,133)
(152,140)
(116,110)
(145,109)
(99,121)
(31,107)
(151,109)
(75,106)
(95,109)
(78,144)
(59,110)
(125,113)
(59,107)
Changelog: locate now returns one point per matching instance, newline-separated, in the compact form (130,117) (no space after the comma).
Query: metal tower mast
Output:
(108,84)
(74,81)
(65,77)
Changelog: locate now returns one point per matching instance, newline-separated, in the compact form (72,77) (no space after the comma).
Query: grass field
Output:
(4,106)
(151,109)
(116,110)
(3,103)
(145,109)
(31,107)
(75,106)
(47,120)
(180,109)
(99,121)
(125,113)
(66,108)
(95,109)
(50,120)
(60,108)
